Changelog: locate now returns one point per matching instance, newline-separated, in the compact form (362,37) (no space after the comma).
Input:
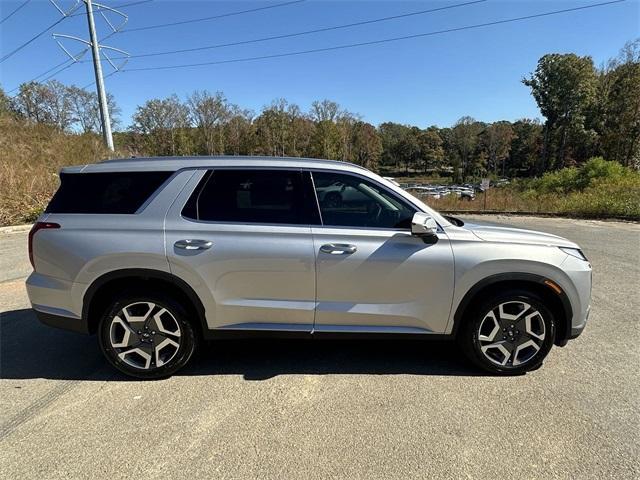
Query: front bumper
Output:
(578,290)
(576,330)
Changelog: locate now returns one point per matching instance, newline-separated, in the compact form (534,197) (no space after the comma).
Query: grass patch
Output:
(31,155)
(598,189)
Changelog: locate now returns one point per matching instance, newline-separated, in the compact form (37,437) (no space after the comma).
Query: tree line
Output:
(588,111)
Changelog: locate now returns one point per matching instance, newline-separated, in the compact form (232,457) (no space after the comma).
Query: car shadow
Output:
(29,350)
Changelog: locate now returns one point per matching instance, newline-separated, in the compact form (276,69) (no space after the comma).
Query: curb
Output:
(16,228)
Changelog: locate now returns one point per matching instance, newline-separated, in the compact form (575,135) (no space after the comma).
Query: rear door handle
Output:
(193,244)
(338,248)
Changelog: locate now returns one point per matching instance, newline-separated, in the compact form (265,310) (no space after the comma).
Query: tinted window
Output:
(249,196)
(113,192)
(350,201)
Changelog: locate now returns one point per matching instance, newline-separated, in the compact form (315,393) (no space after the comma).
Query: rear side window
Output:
(249,196)
(112,192)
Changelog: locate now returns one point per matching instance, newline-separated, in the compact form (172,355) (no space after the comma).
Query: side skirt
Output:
(224,334)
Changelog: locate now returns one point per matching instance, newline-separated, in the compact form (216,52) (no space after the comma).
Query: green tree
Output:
(619,107)
(464,141)
(325,142)
(367,146)
(389,135)
(526,147)
(496,139)
(431,149)
(327,139)
(564,87)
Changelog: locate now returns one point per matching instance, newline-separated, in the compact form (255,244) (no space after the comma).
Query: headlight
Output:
(574,252)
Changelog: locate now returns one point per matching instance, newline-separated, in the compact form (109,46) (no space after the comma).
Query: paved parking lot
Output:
(343,409)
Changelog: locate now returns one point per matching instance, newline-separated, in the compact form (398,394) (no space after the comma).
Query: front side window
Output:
(351,201)
(248,196)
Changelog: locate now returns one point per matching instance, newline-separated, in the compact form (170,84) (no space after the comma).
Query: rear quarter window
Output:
(111,192)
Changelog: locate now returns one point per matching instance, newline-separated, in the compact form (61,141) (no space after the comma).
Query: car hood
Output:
(491,233)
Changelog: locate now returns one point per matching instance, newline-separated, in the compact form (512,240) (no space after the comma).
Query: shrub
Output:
(573,179)
(560,181)
(606,197)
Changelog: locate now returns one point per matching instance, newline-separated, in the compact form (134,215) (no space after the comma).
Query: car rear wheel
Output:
(145,336)
(510,333)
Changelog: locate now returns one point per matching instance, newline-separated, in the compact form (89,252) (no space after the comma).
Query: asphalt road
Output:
(330,409)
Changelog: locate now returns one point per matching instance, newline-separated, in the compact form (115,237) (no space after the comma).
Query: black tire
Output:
(174,321)
(478,325)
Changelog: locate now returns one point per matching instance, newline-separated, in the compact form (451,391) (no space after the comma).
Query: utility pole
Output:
(96,48)
(97,67)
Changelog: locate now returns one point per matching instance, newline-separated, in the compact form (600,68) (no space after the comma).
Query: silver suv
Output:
(157,254)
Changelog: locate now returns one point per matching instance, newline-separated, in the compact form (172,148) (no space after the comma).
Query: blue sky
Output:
(426,81)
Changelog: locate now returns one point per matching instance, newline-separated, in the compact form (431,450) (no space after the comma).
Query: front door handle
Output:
(193,244)
(338,248)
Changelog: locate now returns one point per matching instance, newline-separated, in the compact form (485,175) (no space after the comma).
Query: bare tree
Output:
(239,131)
(325,110)
(209,112)
(86,112)
(45,103)
(163,122)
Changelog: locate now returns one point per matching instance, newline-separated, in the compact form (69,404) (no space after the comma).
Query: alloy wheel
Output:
(511,334)
(145,335)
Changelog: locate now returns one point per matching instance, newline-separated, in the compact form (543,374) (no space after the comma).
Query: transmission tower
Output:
(96,49)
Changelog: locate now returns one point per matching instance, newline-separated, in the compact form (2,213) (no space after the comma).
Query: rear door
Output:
(372,274)
(241,238)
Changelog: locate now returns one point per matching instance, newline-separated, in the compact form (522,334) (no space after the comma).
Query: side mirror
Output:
(422,225)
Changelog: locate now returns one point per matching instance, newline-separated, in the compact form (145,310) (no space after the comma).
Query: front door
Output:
(241,239)
(372,274)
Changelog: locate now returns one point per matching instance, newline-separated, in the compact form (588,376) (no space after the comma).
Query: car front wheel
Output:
(145,336)
(510,333)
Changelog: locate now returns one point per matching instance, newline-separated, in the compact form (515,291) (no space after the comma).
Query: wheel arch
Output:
(105,287)
(547,289)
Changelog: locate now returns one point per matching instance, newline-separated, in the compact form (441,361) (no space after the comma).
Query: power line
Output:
(131,4)
(32,39)
(307,32)
(57,72)
(67,63)
(91,84)
(38,35)
(374,42)
(325,29)
(117,7)
(214,17)
(15,11)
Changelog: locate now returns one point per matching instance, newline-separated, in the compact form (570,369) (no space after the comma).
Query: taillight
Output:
(36,227)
